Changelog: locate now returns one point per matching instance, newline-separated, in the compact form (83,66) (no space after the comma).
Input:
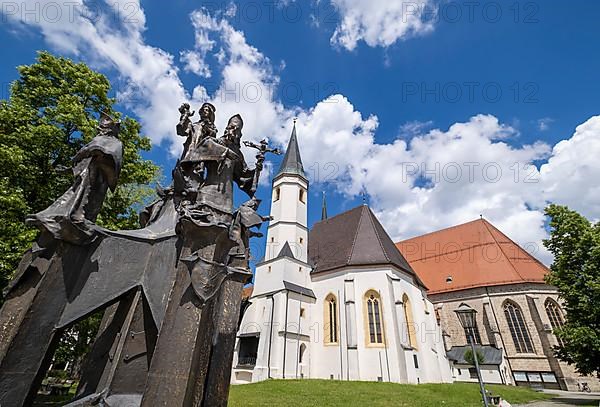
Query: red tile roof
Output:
(474,254)
(247,291)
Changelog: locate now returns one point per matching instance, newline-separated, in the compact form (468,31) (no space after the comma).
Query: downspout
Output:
(340,341)
(270,337)
(287,295)
(501,338)
(387,361)
(347,346)
(298,341)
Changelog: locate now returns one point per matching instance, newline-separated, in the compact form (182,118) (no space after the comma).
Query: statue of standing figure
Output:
(96,168)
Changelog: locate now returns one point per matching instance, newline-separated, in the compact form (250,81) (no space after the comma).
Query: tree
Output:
(469,357)
(51,113)
(575,243)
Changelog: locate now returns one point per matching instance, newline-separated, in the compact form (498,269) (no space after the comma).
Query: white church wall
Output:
(467,373)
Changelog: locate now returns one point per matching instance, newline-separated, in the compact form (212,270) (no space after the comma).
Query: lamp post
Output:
(466,316)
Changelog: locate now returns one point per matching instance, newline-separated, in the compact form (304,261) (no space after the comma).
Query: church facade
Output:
(338,301)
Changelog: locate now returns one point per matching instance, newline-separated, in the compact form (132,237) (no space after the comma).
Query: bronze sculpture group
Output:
(170,292)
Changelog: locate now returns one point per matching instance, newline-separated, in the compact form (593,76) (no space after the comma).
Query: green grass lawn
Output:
(299,393)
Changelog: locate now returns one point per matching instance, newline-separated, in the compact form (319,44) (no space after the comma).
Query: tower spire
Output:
(324,208)
(292,163)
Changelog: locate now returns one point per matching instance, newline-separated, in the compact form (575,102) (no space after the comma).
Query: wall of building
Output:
(494,330)
(465,373)
(354,357)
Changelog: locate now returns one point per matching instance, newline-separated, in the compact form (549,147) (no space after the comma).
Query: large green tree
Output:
(51,113)
(575,243)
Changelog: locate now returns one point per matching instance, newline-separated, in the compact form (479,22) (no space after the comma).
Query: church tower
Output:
(286,250)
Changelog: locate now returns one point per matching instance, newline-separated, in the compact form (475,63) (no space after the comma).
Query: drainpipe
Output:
(340,336)
(287,295)
(387,360)
(501,338)
(347,347)
(270,337)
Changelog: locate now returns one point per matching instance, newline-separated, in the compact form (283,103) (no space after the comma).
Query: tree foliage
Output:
(51,113)
(469,357)
(575,243)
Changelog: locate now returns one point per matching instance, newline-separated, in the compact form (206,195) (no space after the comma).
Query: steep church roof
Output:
(292,163)
(353,238)
(473,254)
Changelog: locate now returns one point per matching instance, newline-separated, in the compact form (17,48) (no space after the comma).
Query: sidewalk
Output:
(566,399)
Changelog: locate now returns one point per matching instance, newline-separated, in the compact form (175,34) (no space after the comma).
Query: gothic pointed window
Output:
(374,317)
(554,315)
(411,329)
(331,319)
(518,328)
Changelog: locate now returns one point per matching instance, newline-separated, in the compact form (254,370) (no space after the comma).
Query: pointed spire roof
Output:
(324,208)
(286,251)
(353,238)
(292,162)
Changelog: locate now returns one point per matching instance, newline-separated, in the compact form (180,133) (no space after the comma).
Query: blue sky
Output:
(390,99)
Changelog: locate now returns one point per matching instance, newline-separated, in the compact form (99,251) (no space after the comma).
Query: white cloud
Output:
(413,182)
(109,34)
(544,123)
(194,62)
(572,174)
(380,22)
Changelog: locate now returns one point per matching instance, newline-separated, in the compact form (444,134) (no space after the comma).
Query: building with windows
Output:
(336,302)
(476,264)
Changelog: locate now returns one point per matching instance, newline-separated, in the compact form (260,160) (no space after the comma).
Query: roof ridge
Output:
(330,218)
(500,246)
(371,214)
(516,244)
(355,234)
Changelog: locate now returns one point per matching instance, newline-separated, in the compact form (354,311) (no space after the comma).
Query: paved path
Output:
(567,399)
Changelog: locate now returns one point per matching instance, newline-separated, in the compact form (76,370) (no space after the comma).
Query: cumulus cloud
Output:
(380,22)
(425,179)
(109,34)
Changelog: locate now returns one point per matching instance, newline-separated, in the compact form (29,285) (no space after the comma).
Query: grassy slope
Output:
(323,393)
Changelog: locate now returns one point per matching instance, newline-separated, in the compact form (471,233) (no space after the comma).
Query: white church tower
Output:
(286,252)
(274,332)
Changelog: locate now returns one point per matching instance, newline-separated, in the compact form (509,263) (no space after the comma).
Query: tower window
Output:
(302,312)
(277,194)
(301,240)
(301,196)
(269,269)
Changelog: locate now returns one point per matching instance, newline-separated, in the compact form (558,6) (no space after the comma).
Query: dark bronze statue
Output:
(171,291)
(96,168)
(263,148)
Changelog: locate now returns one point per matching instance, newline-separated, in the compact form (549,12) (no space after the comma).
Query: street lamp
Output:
(466,316)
